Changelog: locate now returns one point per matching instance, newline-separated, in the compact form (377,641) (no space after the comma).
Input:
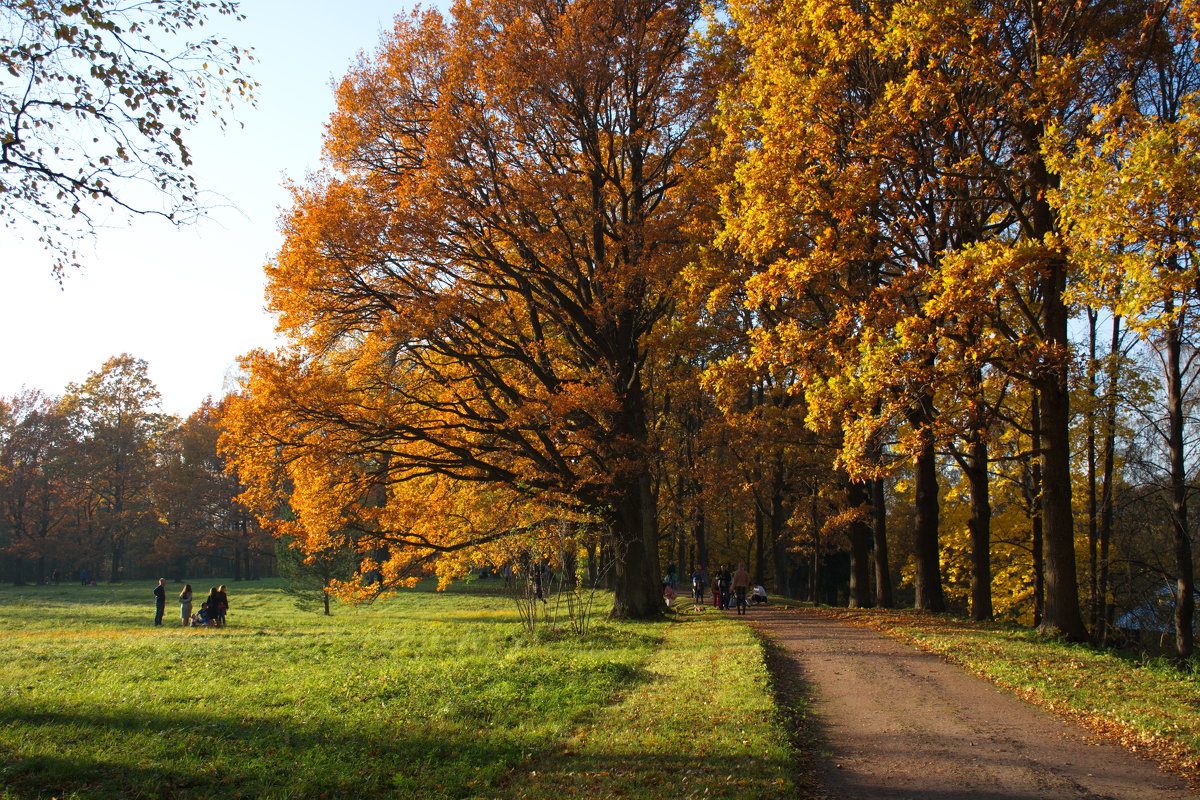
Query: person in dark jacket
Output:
(160,600)
(222,606)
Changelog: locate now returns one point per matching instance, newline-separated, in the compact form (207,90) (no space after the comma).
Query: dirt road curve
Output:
(901,724)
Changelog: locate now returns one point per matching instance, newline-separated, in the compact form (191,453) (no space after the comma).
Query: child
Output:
(202,618)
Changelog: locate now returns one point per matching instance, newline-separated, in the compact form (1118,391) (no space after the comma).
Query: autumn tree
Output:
(917,144)
(1131,201)
(116,420)
(33,437)
(96,97)
(472,286)
(196,499)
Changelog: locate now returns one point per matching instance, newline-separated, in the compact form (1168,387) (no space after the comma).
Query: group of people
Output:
(730,589)
(211,613)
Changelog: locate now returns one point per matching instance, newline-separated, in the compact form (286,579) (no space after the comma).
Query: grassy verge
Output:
(1148,705)
(702,724)
(425,695)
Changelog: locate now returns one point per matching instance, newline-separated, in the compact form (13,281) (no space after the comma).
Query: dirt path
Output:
(901,724)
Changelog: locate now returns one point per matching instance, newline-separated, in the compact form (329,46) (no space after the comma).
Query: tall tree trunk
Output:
(700,535)
(779,548)
(980,526)
(814,578)
(883,574)
(929,594)
(1061,615)
(1104,535)
(114,570)
(593,551)
(760,544)
(860,549)
(1035,500)
(680,551)
(1093,508)
(1184,579)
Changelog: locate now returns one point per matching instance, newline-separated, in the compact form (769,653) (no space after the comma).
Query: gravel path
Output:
(902,724)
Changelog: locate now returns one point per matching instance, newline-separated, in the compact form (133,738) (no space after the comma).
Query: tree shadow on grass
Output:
(139,754)
(647,775)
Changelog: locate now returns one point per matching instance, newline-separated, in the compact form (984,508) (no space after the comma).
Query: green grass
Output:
(702,724)
(424,695)
(1148,704)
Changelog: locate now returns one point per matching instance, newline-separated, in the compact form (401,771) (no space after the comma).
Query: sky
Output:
(189,300)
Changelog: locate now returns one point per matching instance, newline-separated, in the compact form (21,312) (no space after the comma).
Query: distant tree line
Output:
(100,482)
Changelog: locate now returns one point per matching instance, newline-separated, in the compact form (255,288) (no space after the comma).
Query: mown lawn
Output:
(424,695)
(1149,704)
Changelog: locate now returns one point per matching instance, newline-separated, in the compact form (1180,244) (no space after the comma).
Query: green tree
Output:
(310,576)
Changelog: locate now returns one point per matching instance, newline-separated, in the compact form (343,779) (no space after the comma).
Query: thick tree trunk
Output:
(637,593)
(929,594)
(980,526)
(1061,614)
(780,556)
(883,573)
(860,549)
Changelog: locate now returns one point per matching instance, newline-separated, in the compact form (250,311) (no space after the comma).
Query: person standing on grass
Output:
(185,604)
(698,587)
(211,602)
(741,584)
(222,606)
(160,600)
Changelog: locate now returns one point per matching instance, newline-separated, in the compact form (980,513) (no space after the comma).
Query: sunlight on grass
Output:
(425,695)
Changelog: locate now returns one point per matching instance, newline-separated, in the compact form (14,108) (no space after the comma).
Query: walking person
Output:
(741,584)
(160,600)
(185,604)
(698,588)
(719,588)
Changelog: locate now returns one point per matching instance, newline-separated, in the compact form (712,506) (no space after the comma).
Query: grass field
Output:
(424,695)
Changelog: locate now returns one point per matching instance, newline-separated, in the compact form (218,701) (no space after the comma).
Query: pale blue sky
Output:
(189,301)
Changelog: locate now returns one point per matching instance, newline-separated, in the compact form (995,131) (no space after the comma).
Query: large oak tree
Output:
(472,287)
